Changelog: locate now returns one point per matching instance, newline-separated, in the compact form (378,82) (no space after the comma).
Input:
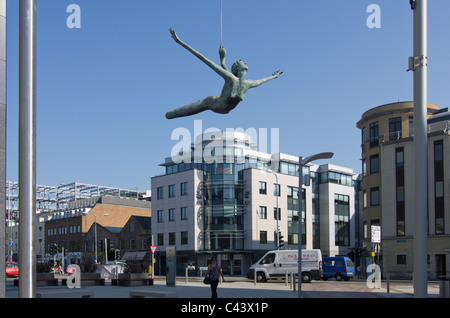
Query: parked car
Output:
(12,269)
(276,263)
(338,268)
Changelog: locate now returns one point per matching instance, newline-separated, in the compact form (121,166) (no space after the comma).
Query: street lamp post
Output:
(302,163)
(419,66)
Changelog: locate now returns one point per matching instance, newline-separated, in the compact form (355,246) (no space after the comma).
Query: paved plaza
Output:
(243,288)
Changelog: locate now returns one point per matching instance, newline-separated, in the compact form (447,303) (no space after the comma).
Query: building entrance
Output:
(231,264)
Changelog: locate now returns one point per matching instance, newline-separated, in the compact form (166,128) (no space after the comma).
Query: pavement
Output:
(240,287)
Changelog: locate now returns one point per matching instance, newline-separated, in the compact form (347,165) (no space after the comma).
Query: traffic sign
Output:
(11,243)
(376,234)
(153,249)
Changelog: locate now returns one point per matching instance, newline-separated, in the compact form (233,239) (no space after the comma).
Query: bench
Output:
(87,281)
(41,282)
(84,293)
(132,282)
(152,294)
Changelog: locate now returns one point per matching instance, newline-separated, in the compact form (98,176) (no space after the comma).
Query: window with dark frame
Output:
(439,187)
(400,191)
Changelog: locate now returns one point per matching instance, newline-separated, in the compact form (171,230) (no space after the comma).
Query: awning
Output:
(134,256)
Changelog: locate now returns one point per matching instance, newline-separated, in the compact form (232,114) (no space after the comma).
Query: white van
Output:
(276,263)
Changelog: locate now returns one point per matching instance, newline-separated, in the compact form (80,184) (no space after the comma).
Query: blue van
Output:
(337,267)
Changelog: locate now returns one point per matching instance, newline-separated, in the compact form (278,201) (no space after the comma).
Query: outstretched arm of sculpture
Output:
(222,72)
(223,53)
(256,83)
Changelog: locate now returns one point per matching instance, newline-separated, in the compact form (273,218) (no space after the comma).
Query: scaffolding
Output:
(74,191)
(45,199)
(50,199)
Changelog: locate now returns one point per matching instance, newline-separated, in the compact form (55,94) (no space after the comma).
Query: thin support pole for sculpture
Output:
(221,23)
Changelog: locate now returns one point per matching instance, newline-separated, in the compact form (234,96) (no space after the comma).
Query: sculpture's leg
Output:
(193,108)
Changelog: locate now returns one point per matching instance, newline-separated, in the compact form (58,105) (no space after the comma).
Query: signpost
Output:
(153,249)
(376,240)
(376,234)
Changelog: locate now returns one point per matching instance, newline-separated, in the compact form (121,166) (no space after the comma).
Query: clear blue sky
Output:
(103,90)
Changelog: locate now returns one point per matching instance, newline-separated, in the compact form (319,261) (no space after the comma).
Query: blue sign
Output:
(11,243)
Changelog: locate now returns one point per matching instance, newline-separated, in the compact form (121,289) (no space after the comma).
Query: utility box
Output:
(171,266)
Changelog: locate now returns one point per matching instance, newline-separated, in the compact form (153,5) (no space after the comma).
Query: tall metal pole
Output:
(3,146)
(300,228)
(27,147)
(301,163)
(95,239)
(420,148)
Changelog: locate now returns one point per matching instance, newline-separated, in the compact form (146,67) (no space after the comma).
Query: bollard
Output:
(290,281)
(186,276)
(285,278)
(255,276)
(387,283)
(294,282)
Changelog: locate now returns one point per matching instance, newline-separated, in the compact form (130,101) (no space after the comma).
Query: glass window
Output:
(269,259)
(262,187)
(401,259)
(263,237)
(284,167)
(184,188)
(172,238)
(171,191)
(171,214)
(395,128)
(184,238)
(373,134)
(160,216)
(160,239)
(263,212)
(160,193)
(363,138)
(276,190)
(439,204)
(399,157)
(374,196)
(277,213)
(184,213)
(342,219)
(292,169)
(411,126)
(374,164)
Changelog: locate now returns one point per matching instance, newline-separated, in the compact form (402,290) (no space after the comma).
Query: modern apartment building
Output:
(388,187)
(235,202)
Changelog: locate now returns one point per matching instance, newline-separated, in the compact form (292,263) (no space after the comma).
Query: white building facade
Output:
(224,198)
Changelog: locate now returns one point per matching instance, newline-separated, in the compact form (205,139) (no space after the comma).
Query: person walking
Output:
(214,272)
